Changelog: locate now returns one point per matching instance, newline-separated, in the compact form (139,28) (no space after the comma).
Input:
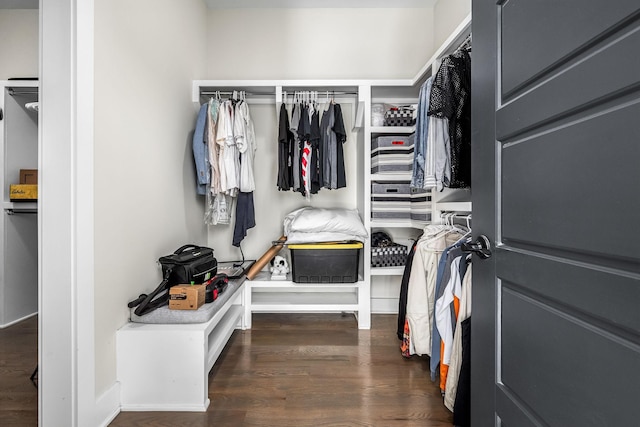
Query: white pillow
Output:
(346,222)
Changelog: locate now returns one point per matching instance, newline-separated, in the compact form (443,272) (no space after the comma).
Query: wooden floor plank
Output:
(314,370)
(289,370)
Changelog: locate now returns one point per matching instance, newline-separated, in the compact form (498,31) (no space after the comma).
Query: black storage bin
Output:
(325,262)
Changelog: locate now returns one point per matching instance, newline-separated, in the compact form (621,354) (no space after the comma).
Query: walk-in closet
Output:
(450,137)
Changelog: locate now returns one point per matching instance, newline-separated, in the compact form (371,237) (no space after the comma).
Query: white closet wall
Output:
(339,43)
(19,47)
(447,16)
(19,227)
(144,201)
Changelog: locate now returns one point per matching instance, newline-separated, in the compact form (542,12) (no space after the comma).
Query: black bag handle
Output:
(185,247)
(146,303)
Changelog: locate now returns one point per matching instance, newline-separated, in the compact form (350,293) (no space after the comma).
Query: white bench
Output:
(165,367)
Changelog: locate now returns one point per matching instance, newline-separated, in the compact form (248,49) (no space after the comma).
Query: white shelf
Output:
(387,271)
(390,130)
(407,223)
(284,296)
(20,206)
(454,206)
(289,302)
(401,176)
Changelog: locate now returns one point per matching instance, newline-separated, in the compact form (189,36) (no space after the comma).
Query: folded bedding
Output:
(310,225)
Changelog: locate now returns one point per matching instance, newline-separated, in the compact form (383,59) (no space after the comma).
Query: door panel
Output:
(556,194)
(582,390)
(538,35)
(556,188)
(563,282)
(609,65)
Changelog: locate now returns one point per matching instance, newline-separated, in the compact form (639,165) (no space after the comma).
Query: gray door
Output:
(555,333)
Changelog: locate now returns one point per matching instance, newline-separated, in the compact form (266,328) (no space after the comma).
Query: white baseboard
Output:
(108,406)
(13,322)
(165,407)
(384,305)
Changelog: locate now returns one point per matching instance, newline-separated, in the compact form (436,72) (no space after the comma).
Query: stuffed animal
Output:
(279,268)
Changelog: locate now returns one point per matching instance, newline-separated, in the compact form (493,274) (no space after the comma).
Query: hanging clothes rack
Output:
(213,93)
(22,91)
(466,43)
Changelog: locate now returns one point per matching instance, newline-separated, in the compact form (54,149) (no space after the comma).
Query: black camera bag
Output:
(187,264)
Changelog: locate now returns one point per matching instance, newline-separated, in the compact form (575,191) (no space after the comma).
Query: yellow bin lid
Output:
(327,245)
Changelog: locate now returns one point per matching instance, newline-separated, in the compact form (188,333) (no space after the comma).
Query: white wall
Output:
(147,53)
(318,43)
(448,14)
(19,46)
(307,44)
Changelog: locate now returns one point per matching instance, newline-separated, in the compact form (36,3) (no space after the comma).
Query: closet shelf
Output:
(20,206)
(387,271)
(402,223)
(392,130)
(455,206)
(289,302)
(403,176)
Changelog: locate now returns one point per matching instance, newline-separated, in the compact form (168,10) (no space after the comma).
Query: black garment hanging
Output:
(285,141)
(462,404)
(245,217)
(404,290)
(451,99)
(341,135)
(315,168)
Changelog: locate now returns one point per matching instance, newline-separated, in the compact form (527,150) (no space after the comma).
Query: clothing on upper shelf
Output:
(310,148)
(445,140)
(224,147)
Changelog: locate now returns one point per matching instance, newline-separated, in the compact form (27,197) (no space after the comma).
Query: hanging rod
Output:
(21,91)
(225,92)
(20,211)
(466,43)
(463,219)
(320,92)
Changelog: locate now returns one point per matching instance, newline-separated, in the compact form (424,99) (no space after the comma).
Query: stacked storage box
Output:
(392,154)
(394,200)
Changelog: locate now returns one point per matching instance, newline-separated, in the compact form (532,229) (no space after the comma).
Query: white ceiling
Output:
(18,4)
(294,4)
(243,4)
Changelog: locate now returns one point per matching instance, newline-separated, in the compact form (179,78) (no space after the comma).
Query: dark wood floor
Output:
(18,359)
(313,370)
(289,370)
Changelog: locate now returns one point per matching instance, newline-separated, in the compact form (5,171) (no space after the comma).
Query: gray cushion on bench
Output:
(163,315)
